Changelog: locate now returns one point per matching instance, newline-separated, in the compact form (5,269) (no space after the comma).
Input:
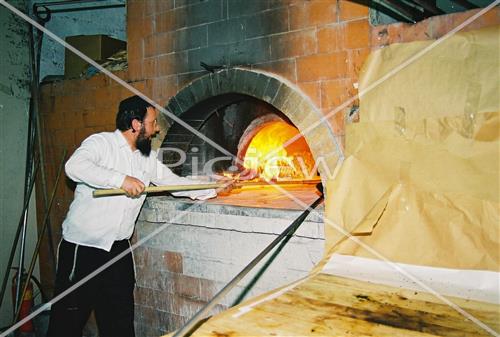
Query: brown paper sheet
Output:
(420,183)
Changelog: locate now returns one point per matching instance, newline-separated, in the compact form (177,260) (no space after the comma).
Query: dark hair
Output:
(130,108)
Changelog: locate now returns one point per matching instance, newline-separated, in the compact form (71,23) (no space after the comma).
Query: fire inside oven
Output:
(273,149)
(265,144)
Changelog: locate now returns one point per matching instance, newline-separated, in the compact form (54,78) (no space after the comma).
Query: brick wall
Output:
(319,45)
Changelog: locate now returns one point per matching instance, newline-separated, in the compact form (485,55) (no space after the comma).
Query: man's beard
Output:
(142,143)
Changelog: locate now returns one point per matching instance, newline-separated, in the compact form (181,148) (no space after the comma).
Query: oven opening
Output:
(272,149)
(266,147)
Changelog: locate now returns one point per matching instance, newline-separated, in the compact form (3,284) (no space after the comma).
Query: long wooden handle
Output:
(194,187)
(156,189)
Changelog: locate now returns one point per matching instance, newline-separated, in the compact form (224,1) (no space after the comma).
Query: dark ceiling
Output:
(412,11)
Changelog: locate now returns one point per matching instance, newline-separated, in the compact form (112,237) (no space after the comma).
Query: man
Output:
(98,229)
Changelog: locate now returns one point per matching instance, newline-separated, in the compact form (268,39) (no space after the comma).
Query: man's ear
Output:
(136,125)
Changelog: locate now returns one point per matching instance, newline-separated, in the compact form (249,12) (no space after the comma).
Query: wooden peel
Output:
(178,188)
(156,189)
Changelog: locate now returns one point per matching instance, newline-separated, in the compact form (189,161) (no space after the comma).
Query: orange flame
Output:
(267,156)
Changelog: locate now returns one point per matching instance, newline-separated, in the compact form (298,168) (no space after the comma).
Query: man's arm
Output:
(84,166)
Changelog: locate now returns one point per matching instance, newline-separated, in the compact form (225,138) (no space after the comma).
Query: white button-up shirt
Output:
(102,161)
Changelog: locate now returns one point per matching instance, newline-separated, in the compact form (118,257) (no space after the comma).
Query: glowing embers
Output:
(269,158)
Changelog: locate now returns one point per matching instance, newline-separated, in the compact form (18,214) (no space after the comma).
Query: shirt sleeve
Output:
(85,165)
(162,175)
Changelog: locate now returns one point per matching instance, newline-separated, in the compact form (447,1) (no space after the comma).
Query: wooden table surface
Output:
(326,305)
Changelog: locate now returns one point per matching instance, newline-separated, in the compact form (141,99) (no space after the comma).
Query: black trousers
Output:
(110,293)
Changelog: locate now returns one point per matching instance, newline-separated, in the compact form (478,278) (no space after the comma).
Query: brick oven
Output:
(200,251)
(290,61)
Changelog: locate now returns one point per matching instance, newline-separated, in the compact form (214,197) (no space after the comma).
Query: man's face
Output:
(149,129)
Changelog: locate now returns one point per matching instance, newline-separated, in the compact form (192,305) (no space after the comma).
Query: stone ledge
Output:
(170,204)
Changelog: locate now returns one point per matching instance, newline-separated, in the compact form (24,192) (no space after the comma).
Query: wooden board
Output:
(326,305)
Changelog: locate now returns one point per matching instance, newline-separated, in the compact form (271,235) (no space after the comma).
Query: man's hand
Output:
(133,186)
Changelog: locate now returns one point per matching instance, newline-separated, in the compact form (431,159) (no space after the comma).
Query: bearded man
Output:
(96,230)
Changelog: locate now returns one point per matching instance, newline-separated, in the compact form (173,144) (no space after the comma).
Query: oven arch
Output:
(272,89)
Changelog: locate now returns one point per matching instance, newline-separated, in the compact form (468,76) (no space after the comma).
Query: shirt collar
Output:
(121,139)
